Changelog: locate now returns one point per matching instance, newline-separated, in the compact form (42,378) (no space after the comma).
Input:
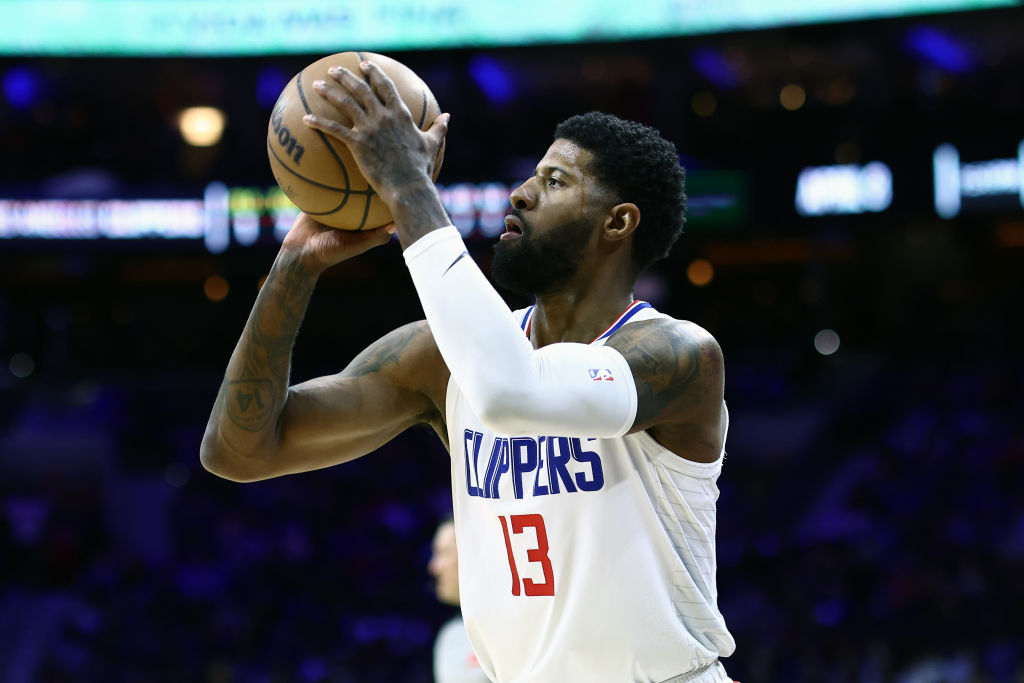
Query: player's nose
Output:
(521,198)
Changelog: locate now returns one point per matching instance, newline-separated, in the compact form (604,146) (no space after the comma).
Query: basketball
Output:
(316,171)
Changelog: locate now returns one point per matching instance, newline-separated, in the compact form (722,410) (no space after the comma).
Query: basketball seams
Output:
(327,213)
(330,147)
(305,187)
(370,193)
(423,116)
(366,209)
(346,191)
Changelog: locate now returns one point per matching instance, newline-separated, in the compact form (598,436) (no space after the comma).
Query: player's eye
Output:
(554,182)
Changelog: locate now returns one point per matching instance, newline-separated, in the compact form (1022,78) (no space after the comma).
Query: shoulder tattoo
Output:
(386,351)
(666,361)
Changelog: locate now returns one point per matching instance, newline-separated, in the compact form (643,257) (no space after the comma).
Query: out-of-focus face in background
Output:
(444,564)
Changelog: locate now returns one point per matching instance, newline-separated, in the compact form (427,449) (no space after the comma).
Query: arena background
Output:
(871,520)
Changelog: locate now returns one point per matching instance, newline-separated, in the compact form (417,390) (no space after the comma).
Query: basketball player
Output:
(454,661)
(586,432)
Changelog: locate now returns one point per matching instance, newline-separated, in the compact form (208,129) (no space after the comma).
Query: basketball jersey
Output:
(585,559)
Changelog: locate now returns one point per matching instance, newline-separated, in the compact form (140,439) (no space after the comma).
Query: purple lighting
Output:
(492,78)
(713,66)
(829,612)
(269,84)
(939,49)
(21,86)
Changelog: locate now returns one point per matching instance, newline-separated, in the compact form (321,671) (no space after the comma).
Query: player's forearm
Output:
(243,425)
(562,389)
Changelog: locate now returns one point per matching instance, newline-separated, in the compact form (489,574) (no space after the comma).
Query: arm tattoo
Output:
(255,394)
(665,362)
(418,211)
(385,352)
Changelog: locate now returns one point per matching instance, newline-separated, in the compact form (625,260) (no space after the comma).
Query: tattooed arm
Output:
(260,427)
(680,383)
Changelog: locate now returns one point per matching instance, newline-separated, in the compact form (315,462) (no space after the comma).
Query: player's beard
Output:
(541,264)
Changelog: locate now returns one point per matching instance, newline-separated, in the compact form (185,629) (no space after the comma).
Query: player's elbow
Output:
(215,461)
(219,460)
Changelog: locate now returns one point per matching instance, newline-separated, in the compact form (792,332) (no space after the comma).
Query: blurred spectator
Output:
(454,661)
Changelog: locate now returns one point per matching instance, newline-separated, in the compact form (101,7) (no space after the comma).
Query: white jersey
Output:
(585,559)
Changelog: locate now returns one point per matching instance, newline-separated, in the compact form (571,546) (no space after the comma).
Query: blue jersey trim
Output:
(625,319)
(526,318)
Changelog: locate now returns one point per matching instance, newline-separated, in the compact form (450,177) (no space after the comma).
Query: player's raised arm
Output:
(511,386)
(260,427)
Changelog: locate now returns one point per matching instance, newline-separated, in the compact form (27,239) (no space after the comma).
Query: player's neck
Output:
(579,314)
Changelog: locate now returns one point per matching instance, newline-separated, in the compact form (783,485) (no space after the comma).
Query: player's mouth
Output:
(513,228)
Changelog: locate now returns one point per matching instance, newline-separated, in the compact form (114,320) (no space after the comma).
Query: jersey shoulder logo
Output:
(601,375)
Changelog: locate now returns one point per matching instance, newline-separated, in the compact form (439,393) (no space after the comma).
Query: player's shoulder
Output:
(411,338)
(420,342)
(404,351)
(664,336)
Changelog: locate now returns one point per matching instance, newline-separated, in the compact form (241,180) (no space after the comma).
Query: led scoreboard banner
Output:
(223,214)
(980,186)
(976,185)
(843,189)
(251,27)
(240,215)
(718,201)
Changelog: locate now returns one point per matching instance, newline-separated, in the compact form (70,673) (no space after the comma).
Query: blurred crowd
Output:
(886,543)
(892,548)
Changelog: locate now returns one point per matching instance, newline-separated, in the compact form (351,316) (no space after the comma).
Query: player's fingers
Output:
(357,87)
(387,232)
(439,128)
(342,100)
(381,235)
(382,84)
(360,241)
(330,127)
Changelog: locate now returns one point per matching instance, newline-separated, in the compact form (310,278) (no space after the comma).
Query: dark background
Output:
(871,520)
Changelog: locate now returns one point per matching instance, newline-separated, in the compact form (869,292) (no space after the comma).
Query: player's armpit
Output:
(395,383)
(678,370)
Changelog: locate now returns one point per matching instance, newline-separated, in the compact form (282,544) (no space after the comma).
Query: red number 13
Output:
(538,554)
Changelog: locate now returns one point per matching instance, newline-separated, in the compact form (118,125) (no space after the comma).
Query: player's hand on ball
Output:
(320,247)
(391,151)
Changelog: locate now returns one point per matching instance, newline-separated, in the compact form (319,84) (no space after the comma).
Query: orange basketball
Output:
(316,171)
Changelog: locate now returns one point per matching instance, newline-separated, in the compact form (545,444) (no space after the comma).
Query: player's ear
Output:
(622,221)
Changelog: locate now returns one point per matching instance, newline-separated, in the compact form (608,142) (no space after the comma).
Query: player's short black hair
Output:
(640,166)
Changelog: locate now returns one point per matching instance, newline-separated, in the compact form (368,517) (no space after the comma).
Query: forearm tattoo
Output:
(255,394)
(419,211)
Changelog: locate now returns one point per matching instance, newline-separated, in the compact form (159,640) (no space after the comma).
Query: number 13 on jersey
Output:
(539,554)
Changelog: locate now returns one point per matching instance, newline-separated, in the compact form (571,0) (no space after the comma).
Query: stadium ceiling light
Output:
(201,126)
